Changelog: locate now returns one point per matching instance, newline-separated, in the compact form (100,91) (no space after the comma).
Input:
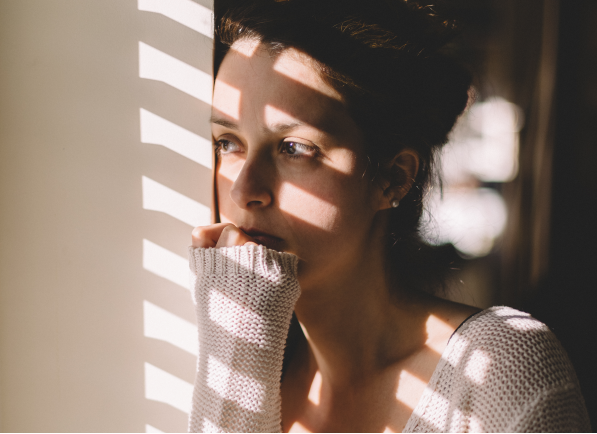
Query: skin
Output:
(293,175)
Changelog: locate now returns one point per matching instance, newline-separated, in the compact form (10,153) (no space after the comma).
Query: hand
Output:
(220,235)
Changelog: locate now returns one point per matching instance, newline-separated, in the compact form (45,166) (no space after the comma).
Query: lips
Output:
(263,238)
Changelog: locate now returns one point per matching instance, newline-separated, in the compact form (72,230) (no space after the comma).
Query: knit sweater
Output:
(244,299)
(502,370)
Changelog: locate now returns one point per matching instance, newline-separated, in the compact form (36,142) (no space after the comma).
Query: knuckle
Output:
(229,230)
(199,232)
(229,237)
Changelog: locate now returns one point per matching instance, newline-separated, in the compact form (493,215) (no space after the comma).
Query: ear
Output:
(401,173)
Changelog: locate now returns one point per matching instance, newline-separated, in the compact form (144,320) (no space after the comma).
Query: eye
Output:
(298,150)
(224,146)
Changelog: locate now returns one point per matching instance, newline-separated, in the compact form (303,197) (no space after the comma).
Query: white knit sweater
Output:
(244,298)
(502,371)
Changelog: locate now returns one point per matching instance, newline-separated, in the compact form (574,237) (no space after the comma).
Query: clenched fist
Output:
(220,235)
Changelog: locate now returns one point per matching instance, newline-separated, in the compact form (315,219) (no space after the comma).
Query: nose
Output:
(252,188)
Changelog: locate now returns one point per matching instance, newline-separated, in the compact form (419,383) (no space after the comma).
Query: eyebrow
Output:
(277,128)
(224,122)
(281,128)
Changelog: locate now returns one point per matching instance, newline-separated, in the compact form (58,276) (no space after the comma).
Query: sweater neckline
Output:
(419,409)
(462,323)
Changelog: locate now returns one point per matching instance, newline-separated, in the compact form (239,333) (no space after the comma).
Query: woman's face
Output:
(292,162)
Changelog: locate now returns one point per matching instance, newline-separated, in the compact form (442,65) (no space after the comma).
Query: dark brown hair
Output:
(388,60)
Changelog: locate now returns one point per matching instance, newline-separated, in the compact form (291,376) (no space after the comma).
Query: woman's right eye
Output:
(227,146)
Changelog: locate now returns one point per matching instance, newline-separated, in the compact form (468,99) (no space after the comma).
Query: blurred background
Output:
(105,167)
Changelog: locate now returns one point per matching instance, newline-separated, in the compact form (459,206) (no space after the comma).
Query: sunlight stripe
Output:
(185,12)
(164,387)
(160,324)
(158,197)
(157,65)
(164,263)
(159,131)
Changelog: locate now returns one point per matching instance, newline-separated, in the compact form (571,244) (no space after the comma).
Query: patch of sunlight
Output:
(435,326)
(160,324)
(409,386)
(164,263)
(157,65)
(159,131)
(477,367)
(158,197)
(228,100)
(315,390)
(525,324)
(149,428)
(209,426)
(457,417)
(225,313)
(476,424)
(220,378)
(164,387)
(298,427)
(185,12)
(302,204)
(302,73)
(442,403)
(246,47)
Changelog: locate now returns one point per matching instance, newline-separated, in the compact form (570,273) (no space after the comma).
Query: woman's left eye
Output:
(298,150)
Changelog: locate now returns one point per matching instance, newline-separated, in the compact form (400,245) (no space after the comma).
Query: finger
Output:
(233,236)
(207,236)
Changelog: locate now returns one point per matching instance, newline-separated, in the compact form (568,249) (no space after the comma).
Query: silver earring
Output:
(395,203)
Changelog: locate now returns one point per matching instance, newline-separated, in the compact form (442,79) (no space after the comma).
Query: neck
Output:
(353,322)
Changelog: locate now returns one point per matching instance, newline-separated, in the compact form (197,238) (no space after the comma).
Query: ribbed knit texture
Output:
(502,371)
(244,298)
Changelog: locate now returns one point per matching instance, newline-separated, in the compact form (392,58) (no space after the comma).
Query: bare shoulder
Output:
(454,313)
(445,317)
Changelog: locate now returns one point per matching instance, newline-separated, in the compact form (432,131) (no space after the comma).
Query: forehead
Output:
(252,82)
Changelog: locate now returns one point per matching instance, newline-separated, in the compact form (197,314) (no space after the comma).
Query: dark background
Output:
(564,297)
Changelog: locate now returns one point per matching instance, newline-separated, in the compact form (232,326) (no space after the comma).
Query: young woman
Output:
(326,117)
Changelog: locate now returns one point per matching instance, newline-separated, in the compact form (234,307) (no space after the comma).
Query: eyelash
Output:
(306,148)
(219,144)
(283,149)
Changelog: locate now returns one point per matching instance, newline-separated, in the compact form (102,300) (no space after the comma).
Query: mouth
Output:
(263,238)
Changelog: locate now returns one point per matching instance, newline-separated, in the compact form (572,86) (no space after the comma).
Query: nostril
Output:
(252,186)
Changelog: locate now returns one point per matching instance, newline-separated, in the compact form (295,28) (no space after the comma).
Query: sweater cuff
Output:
(242,260)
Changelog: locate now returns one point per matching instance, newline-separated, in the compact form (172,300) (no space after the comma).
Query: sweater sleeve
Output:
(244,299)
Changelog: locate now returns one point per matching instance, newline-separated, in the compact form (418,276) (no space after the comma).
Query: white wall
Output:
(91,338)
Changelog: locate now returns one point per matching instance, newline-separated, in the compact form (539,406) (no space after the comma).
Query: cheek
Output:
(327,204)
(308,206)
(224,184)
(329,219)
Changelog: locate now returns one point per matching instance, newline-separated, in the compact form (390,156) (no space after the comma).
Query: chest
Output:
(382,404)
